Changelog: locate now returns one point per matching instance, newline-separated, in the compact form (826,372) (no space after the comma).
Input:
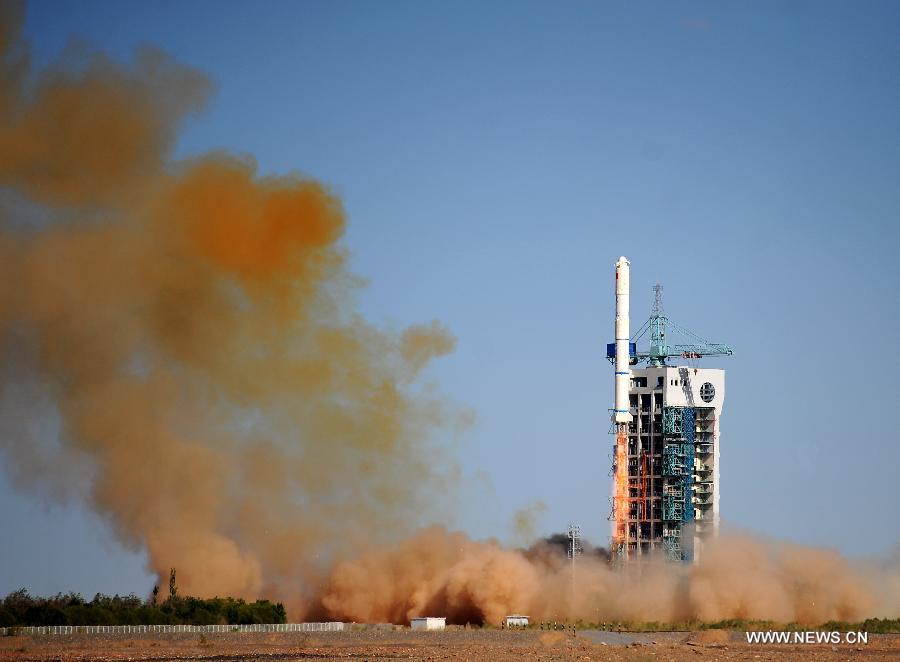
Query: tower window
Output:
(707,392)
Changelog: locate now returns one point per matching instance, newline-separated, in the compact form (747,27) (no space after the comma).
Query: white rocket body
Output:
(623,368)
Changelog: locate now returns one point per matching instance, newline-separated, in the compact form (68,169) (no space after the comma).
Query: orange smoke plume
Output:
(191,325)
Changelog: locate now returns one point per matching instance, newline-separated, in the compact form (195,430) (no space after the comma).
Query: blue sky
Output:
(496,158)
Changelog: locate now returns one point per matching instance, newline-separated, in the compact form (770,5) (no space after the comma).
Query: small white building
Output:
(516,621)
(428,623)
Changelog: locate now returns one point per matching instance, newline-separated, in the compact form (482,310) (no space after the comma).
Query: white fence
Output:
(167,629)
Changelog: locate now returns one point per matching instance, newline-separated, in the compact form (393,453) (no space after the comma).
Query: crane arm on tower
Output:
(699,351)
(657,325)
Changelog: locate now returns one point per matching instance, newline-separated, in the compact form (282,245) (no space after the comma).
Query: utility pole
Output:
(573,552)
(575,549)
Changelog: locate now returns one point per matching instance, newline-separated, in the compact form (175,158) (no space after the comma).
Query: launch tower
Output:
(666,418)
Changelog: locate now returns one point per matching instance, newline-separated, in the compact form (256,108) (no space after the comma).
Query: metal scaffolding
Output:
(679,425)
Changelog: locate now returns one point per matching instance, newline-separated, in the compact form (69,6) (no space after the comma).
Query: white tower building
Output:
(673,459)
(666,496)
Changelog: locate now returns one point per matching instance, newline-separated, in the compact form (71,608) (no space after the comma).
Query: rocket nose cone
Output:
(623,259)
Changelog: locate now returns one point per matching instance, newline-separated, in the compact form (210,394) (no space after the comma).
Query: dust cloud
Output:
(438,572)
(181,350)
(187,334)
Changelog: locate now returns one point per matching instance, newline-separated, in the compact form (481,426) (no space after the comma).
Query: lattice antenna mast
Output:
(575,548)
(660,350)
(658,320)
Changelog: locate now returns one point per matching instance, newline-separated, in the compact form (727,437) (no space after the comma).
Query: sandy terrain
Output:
(493,645)
(497,646)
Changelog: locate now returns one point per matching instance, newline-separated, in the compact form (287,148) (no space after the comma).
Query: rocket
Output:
(623,370)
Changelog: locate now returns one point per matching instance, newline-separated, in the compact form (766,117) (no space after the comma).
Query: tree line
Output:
(20,609)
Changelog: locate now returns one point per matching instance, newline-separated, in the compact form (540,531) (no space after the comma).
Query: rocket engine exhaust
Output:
(621,417)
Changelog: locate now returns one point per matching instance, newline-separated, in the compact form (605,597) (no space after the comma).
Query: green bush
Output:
(7,620)
(21,609)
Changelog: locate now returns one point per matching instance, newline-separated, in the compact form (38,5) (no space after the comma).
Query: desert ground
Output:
(403,644)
